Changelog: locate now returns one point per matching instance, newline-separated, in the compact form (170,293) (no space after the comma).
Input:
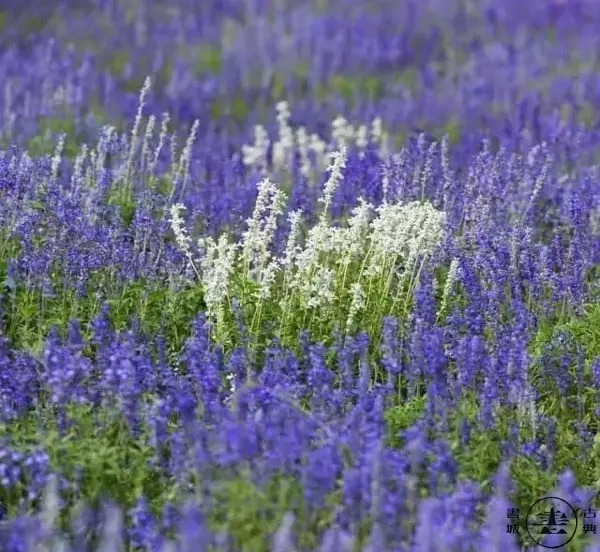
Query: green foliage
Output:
(208,60)
(29,315)
(481,457)
(97,450)
(235,107)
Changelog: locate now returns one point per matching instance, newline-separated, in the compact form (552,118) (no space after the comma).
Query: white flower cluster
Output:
(398,235)
(383,244)
(216,265)
(345,135)
(182,239)
(404,231)
(257,240)
(313,151)
(256,155)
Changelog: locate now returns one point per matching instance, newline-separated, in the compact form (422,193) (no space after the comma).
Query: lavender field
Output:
(300,275)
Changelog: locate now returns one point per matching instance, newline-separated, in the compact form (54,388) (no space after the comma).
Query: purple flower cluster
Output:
(336,446)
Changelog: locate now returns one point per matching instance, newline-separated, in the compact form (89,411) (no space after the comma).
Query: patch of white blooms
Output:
(398,234)
(313,151)
(184,242)
(283,149)
(368,257)
(217,265)
(358,303)
(405,232)
(258,261)
(256,155)
(293,248)
(352,241)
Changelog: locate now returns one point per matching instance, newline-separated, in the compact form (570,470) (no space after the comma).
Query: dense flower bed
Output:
(326,280)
